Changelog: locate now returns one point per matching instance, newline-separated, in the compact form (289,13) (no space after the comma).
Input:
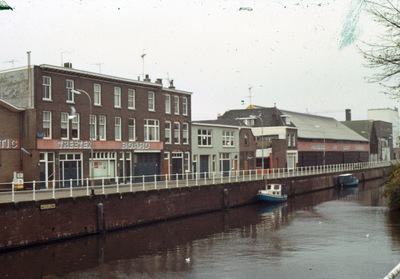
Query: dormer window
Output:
(286,119)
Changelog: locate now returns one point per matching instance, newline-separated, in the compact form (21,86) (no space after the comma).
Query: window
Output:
(249,122)
(132,129)
(177,133)
(117,128)
(167,103)
(75,127)
(46,88)
(185,133)
(204,137)
(47,124)
(97,94)
(93,127)
(117,97)
(288,140)
(176,104)
(70,95)
(131,99)
(102,127)
(228,138)
(184,106)
(151,101)
(167,132)
(293,140)
(64,125)
(151,130)
(246,139)
(186,161)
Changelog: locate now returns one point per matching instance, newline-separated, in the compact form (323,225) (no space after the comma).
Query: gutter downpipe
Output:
(29,79)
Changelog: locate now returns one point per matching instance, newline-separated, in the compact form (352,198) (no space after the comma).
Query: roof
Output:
(317,127)
(360,126)
(10,106)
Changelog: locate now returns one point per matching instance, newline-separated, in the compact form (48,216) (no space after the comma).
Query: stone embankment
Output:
(35,222)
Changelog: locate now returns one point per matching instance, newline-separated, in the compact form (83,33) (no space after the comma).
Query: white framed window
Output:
(75,127)
(102,127)
(64,125)
(177,133)
(97,94)
(132,129)
(131,99)
(69,87)
(176,105)
(151,130)
(204,137)
(185,133)
(168,103)
(93,127)
(289,136)
(293,140)
(228,138)
(117,128)
(246,139)
(46,88)
(167,132)
(117,97)
(47,124)
(151,101)
(184,106)
(186,161)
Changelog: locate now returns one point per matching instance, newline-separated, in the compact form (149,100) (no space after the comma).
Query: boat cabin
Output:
(275,189)
(347,179)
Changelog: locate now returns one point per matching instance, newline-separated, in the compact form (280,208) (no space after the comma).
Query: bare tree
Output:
(384,55)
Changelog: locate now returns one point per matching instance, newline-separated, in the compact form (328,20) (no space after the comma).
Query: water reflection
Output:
(230,243)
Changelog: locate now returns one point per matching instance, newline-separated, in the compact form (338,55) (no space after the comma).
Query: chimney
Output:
(348,114)
(219,116)
(147,78)
(171,84)
(159,81)
(68,65)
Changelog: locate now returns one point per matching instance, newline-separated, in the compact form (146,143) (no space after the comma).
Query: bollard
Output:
(176,175)
(226,199)
(12,191)
(100,217)
(102,185)
(155,181)
(70,187)
(87,186)
(130,182)
(143,181)
(116,179)
(54,188)
(166,181)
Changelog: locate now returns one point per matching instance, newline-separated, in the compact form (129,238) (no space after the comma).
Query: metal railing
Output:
(52,189)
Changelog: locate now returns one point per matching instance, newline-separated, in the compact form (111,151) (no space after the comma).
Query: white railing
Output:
(52,189)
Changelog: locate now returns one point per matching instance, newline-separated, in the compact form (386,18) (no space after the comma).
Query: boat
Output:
(347,180)
(272,193)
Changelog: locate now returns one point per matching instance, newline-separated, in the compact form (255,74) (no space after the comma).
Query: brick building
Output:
(137,127)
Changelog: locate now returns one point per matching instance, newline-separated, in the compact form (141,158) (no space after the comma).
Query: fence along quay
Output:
(36,216)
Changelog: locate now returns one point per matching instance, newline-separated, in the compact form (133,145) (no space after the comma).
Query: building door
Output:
(177,158)
(70,168)
(203,165)
(147,165)
(246,167)
(46,170)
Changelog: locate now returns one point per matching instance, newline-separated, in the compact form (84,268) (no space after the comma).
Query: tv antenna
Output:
(11,61)
(98,64)
(143,55)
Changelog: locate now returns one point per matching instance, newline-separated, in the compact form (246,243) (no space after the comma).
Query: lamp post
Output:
(262,142)
(369,144)
(78,91)
(323,158)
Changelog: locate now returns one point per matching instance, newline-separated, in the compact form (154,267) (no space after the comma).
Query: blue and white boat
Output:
(347,180)
(272,193)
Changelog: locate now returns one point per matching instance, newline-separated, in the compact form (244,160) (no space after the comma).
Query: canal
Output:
(333,233)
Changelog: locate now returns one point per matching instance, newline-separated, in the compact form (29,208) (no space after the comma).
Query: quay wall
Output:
(36,222)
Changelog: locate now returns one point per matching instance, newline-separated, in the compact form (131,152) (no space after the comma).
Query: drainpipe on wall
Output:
(21,166)
(29,79)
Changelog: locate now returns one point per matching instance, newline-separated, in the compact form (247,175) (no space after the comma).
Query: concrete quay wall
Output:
(35,222)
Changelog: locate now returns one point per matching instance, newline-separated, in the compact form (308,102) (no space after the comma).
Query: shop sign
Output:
(9,144)
(74,144)
(135,145)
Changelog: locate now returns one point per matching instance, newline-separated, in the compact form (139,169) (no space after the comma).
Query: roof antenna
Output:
(98,64)
(143,55)
(11,61)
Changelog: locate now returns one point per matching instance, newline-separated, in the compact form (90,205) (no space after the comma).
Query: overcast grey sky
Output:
(292,53)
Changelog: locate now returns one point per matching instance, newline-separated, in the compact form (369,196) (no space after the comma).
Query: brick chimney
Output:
(348,114)
(159,81)
(68,65)
(147,78)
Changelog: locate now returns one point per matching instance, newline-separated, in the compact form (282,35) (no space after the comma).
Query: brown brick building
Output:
(138,128)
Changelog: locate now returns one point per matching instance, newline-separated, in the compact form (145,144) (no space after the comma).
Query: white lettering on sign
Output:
(135,145)
(346,147)
(317,146)
(359,147)
(8,143)
(74,144)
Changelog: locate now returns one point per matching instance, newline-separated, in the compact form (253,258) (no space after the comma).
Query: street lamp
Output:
(78,91)
(369,144)
(262,142)
(323,158)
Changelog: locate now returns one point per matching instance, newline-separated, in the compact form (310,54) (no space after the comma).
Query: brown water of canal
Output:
(335,233)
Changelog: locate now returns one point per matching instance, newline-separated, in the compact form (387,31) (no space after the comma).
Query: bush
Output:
(391,190)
